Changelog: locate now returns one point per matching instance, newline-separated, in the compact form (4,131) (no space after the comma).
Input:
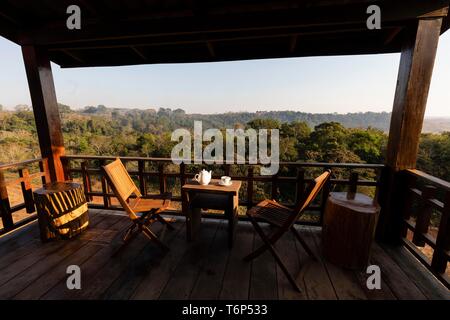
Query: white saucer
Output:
(225,185)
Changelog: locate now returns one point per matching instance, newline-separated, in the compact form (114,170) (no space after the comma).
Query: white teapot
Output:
(204,177)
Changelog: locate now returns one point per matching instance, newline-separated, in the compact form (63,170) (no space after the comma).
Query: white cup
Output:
(225,179)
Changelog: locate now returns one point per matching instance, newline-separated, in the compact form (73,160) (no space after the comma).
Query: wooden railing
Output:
(426,220)
(89,166)
(8,178)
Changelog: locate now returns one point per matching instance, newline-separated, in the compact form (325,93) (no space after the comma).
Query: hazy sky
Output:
(319,84)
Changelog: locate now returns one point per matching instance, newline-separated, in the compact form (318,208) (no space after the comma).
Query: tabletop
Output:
(213,186)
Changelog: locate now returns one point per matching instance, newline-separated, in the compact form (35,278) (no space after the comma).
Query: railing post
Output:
(5,206)
(407,203)
(182,175)
(106,200)
(250,187)
(423,215)
(86,181)
(27,191)
(353,185)
(227,169)
(66,168)
(300,185)
(43,166)
(142,184)
(162,178)
(439,261)
(275,187)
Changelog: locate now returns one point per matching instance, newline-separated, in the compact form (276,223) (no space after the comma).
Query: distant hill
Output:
(179,118)
(436,125)
(379,120)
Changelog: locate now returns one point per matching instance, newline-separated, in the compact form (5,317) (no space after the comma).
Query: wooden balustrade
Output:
(90,166)
(424,194)
(430,195)
(25,181)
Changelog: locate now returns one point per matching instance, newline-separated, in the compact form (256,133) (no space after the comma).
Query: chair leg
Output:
(130,234)
(268,245)
(303,243)
(263,247)
(283,267)
(163,221)
(153,237)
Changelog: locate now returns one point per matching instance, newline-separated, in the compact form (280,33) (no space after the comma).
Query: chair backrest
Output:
(121,183)
(311,192)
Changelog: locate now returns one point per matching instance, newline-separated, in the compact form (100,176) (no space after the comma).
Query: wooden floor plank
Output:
(287,249)
(152,285)
(91,266)
(423,278)
(188,269)
(236,282)
(393,275)
(18,239)
(139,267)
(315,277)
(18,266)
(344,281)
(263,282)
(47,263)
(106,274)
(209,283)
(203,269)
(48,280)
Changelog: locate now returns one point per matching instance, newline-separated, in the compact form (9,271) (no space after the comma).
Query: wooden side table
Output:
(348,229)
(212,196)
(62,210)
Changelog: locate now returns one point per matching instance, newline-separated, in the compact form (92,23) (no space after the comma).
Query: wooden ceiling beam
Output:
(137,26)
(214,37)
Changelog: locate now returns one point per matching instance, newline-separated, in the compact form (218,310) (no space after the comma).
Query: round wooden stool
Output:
(62,210)
(348,229)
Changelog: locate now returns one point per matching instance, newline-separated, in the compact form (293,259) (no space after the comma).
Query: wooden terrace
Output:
(204,269)
(413,254)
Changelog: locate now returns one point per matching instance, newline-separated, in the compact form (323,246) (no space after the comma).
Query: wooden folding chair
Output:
(283,219)
(142,211)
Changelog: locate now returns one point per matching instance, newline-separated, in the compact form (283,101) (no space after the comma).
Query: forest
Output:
(356,138)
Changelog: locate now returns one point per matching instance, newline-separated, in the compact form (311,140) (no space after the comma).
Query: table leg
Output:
(193,217)
(232,215)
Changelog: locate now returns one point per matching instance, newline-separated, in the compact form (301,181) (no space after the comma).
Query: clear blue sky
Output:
(319,84)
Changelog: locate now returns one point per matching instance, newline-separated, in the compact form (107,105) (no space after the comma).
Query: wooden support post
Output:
(27,191)
(414,77)
(45,108)
(5,206)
